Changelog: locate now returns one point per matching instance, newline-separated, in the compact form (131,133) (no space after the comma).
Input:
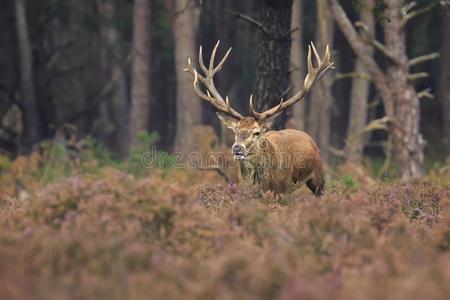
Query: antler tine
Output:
(213,57)
(280,106)
(257,115)
(211,95)
(327,63)
(219,66)
(309,60)
(190,69)
(198,90)
(200,60)
(252,110)
(219,105)
(316,54)
(327,53)
(323,65)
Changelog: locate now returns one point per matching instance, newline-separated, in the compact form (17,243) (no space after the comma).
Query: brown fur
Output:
(281,161)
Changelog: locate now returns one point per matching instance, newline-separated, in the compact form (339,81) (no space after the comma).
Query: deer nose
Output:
(237,149)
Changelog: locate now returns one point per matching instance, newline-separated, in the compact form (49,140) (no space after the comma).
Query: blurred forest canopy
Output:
(110,69)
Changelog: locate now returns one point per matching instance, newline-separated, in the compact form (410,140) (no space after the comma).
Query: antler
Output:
(314,73)
(212,95)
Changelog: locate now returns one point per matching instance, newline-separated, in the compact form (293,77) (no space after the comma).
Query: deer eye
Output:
(256,133)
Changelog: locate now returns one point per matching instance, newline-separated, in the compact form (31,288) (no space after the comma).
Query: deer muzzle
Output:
(239,151)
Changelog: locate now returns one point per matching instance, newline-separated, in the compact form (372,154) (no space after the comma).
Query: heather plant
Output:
(87,227)
(112,235)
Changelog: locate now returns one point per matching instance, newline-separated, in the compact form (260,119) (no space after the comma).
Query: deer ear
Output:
(229,121)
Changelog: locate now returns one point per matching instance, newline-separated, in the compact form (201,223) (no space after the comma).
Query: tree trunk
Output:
(445,80)
(119,111)
(321,98)
(227,79)
(140,89)
(408,141)
(114,113)
(400,100)
(359,47)
(189,110)
(272,76)
(32,132)
(360,95)
(298,58)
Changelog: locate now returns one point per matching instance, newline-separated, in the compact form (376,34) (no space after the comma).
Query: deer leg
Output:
(316,185)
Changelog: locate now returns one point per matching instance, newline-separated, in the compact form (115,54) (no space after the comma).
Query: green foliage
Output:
(135,164)
(146,150)
(98,151)
(145,143)
(56,162)
(379,169)
(349,183)
(332,185)
(346,183)
(5,163)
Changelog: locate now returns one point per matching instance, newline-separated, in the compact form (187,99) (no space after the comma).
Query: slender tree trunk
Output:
(140,90)
(406,128)
(189,110)
(79,95)
(272,76)
(360,95)
(32,132)
(321,98)
(227,79)
(445,80)
(359,47)
(298,58)
(119,113)
(114,113)
(401,102)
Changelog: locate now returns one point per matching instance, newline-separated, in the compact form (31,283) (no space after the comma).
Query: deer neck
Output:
(255,169)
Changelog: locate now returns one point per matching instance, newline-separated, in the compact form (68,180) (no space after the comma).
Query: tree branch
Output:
(181,11)
(337,152)
(420,75)
(409,16)
(426,93)
(377,124)
(219,171)
(359,48)
(250,20)
(340,76)
(290,32)
(105,90)
(379,46)
(423,58)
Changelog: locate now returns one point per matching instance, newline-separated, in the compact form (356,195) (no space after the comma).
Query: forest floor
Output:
(175,235)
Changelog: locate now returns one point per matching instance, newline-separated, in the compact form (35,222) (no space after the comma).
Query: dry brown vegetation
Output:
(165,235)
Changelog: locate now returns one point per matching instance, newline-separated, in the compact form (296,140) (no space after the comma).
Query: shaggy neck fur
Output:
(256,169)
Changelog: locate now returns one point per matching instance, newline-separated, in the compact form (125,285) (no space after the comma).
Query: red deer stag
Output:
(280,161)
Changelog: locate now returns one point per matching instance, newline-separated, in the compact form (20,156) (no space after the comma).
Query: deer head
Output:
(250,131)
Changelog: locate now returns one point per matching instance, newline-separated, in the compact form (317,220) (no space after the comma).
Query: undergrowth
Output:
(92,229)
